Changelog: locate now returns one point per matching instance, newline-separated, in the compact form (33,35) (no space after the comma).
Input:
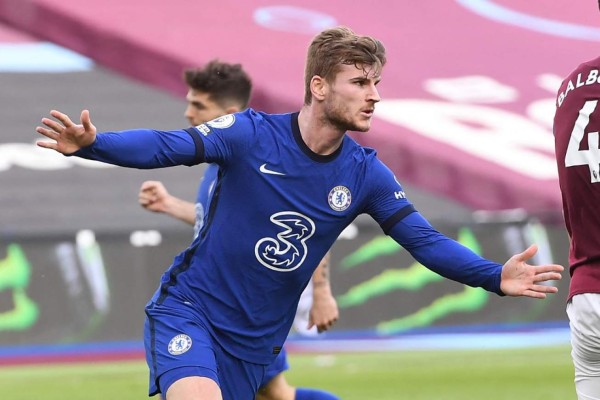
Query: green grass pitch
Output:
(532,373)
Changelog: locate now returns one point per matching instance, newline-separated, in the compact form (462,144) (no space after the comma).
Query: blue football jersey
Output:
(276,209)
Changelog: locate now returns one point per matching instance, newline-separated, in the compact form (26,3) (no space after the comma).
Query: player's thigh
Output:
(193,388)
(177,346)
(239,379)
(278,366)
(584,319)
(277,388)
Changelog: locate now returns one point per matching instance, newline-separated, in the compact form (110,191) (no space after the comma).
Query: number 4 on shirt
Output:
(590,157)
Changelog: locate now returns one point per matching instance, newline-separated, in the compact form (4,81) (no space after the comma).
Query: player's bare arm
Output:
(153,196)
(324,311)
(522,279)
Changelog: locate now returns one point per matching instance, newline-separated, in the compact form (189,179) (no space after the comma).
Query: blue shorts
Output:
(178,345)
(278,365)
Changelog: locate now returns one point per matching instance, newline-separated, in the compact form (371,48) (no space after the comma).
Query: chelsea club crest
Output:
(339,198)
(180,344)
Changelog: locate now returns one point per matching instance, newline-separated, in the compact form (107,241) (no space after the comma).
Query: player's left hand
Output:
(521,279)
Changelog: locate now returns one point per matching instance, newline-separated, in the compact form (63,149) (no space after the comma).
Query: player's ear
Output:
(318,87)
(232,109)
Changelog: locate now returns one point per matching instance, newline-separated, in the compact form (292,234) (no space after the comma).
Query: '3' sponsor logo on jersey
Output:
(287,251)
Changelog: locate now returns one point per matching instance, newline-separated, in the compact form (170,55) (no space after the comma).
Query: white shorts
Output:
(584,319)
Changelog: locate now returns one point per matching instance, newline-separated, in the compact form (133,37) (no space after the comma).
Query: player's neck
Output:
(322,138)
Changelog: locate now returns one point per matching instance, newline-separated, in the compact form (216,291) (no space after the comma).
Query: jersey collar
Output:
(304,148)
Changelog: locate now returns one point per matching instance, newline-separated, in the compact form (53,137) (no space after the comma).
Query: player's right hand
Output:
(153,195)
(67,136)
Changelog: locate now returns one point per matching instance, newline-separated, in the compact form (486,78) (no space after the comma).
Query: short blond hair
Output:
(339,46)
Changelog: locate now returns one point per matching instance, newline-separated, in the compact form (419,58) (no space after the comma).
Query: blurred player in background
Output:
(576,127)
(215,90)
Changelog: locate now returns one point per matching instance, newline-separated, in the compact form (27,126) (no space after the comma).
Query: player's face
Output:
(350,100)
(200,108)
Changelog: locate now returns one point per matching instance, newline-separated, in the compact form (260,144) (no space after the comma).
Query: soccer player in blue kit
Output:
(288,184)
(217,89)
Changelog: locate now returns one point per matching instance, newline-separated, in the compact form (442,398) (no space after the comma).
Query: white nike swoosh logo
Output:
(263,168)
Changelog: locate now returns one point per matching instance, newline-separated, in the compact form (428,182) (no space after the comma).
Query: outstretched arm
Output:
(67,136)
(454,261)
(153,196)
(134,148)
(324,311)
